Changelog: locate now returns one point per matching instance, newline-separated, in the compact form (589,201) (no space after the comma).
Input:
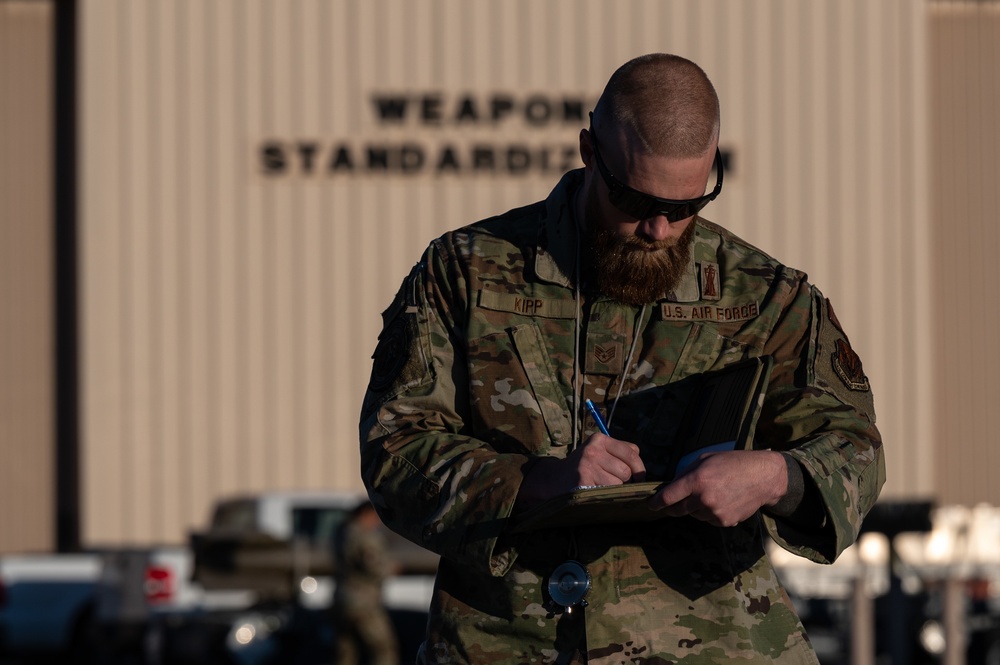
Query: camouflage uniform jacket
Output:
(473,378)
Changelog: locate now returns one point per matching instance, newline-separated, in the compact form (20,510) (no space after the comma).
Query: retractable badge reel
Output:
(568,585)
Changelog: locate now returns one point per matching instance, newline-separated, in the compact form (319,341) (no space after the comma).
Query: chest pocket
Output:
(520,387)
(544,382)
(707,349)
(517,401)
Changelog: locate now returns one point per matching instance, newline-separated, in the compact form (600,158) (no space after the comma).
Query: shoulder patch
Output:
(846,363)
(837,366)
(395,341)
(847,366)
(391,354)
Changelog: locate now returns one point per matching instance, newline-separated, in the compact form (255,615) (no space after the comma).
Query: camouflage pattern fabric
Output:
(473,379)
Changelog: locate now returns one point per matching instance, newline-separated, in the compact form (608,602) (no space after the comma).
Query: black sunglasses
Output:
(638,205)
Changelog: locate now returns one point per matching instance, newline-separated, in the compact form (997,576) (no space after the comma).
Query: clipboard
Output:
(718,411)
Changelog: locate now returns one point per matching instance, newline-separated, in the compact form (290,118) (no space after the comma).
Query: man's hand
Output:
(601,460)
(724,489)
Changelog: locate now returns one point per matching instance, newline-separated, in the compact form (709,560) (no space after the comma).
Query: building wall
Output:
(237,246)
(27,491)
(965,58)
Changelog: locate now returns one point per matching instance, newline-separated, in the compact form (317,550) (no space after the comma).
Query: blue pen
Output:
(597,417)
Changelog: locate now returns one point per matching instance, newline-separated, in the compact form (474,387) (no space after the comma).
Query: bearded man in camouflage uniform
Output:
(609,289)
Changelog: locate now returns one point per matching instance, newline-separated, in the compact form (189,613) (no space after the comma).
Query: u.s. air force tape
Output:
(569,583)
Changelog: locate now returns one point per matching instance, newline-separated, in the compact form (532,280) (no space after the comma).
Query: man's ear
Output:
(586,149)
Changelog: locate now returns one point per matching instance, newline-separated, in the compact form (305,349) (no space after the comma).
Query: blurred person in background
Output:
(612,289)
(363,632)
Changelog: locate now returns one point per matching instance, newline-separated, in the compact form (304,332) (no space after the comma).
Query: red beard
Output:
(631,269)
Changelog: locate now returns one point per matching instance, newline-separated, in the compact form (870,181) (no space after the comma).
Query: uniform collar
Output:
(557,252)
(688,289)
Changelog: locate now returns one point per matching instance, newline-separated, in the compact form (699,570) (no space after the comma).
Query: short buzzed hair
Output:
(664,102)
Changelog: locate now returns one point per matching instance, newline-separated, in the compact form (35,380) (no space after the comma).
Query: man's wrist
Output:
(794,491)
(802,504)
(534,486)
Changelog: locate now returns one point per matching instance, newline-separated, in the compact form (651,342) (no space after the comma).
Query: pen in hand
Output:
(597,417)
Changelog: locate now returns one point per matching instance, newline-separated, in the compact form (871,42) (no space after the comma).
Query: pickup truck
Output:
(98,602)
(45,600)
(279,545)
(260,572)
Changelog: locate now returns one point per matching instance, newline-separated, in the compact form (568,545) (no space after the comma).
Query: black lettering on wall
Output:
(570,159)
(501,106)
(378,158)
(388,109)
(272,158)
(573,110)
(518,160)
(435,109)
(430,110)
(306,153)
(411,158)
(341,160)
(537,111)
(311,158)
(448,160)
(467,111)
(483,158)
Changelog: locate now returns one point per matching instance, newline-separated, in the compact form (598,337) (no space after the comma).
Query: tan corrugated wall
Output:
(27,434)
(965,146)
(228,312)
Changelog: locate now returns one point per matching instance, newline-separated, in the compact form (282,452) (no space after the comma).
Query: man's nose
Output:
(659,228)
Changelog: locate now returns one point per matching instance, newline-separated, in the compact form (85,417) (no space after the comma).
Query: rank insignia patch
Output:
(605,354)
(847,365)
